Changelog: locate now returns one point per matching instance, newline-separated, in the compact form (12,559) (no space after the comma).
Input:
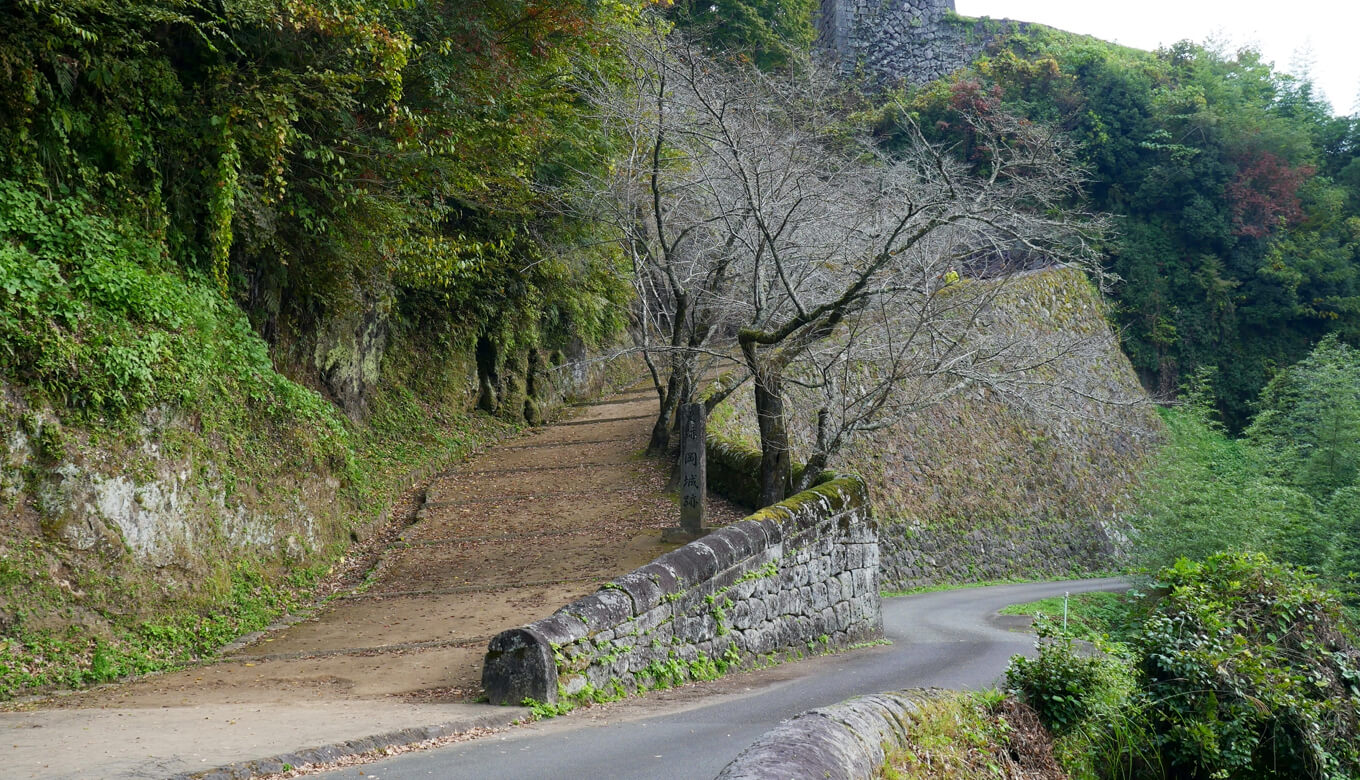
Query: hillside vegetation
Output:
(258,263)
(1235,190)
(984,486)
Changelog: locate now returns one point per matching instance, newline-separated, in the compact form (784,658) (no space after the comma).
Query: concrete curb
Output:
(845,741)
(324,754)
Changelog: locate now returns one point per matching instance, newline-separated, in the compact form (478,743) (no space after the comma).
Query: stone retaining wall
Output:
(915,41)
(734,471)
(913,555)
(845,741)
(798,574)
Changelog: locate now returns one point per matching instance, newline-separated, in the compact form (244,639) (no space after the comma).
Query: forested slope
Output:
(259,262)
(1236,194)
(989,486)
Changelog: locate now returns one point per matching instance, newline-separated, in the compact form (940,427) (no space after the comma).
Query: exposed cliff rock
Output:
(912,41)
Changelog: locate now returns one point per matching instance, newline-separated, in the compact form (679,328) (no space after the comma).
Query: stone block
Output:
(833,591)
(773,605)
(603,609)
(519,664)
(648,621)
(748,613)
(843,741)
(843,620)
(771,528)
(692,564)
(720,544)
(827,621)
(573,684)
(819,596)
(745,539)
(560,629)
(642,589)
(755,535)
(742,591)
(760,639)
(663,575)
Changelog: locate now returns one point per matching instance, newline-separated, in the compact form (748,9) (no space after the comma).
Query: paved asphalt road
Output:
(949,639)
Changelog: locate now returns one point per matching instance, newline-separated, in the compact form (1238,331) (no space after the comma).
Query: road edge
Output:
(324,754)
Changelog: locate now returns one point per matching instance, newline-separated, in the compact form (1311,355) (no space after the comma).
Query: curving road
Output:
(949,639)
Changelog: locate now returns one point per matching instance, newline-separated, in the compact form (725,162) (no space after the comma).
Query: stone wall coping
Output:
(844,741)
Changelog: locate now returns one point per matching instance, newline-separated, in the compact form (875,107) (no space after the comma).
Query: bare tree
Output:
(764,229)
(913,321)
(661,198)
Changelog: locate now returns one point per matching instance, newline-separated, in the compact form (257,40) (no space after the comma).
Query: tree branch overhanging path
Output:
(770,239)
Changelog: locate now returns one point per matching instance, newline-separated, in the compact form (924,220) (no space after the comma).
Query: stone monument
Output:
(693,476)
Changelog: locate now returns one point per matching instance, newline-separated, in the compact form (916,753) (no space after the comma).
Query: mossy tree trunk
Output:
(661,429)
(776,464)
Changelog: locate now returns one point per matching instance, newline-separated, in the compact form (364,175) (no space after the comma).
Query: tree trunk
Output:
(827,445)
(775,463)
(684,396)
(661,429)
(815,466)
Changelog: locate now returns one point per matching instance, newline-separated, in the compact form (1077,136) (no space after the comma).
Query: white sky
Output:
(1330,28)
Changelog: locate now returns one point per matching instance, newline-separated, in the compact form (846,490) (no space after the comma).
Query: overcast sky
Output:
(1330,28)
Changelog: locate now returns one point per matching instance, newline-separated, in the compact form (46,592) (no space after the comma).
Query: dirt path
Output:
(501,540)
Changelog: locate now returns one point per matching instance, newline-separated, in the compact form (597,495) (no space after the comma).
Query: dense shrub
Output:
(94,317)
(1062,685)
(1287,487)
(1249,671)
(1243,668)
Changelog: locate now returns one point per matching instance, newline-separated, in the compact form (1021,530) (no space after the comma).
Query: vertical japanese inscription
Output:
(693,469)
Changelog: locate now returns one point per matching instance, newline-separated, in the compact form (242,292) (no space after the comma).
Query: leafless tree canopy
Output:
(772,239)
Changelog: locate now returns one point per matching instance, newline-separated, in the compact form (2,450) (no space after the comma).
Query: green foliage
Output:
(769,33)
(1236,667)
(1061,684)
(301,152)
(1285,487)
(965,736)
(1090,616)
(124,619)
(1250,672)
(187,190)
(92,317)
(1308,427)
(1200,496)
(34,658)
(542,710)
(1237,237)
(770,569)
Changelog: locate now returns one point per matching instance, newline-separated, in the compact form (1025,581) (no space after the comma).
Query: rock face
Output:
(845,741)
(916,554)
(798,574)
(348,354)
(146,500)
(171,504)
(915,41)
